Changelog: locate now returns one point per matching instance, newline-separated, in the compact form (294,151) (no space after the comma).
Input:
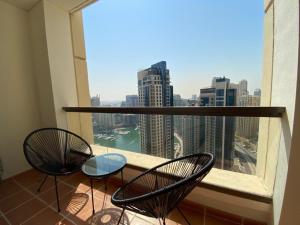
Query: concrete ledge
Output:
(241,185)
(235,193)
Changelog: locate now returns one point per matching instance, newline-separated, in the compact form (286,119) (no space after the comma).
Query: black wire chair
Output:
(156,192)
(56,152)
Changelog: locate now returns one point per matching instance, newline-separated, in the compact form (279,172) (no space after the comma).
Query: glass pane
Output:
(233,140)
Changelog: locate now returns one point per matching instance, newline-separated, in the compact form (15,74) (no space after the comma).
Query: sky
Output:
(199,39)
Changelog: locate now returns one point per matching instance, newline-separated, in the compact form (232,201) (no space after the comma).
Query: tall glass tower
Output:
(157,131)
(218,131)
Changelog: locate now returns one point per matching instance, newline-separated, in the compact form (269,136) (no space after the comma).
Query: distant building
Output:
(132,100)
(257,92)
(217,133)
(191,133)
(247,127)
(208,134)
(123,104)
(243,88)
(95,102)
(178,101)
(194,97)
(130,120)
(106,121)
(157,131)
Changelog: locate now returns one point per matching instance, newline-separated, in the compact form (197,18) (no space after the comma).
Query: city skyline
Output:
(232,140)
(255,92)
(199,40)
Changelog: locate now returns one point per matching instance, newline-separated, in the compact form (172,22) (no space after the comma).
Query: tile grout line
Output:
(23,203)
(26,189)
(23,189)
(4,217)
(38,212)
(34,196)
(68,213)
(10,195)
(47,205)
(66,217)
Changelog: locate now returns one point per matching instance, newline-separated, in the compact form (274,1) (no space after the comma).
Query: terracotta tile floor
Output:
(21,204)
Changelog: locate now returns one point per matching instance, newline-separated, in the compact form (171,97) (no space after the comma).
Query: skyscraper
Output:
(157,131)
(95,102)
(257,92)
(132,100)
(131,120)
(178,101)
(247,127)
(191,127)
(243,88)
(217,132)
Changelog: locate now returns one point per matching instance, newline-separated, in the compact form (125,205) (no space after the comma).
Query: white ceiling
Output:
(68,5)
(23,4)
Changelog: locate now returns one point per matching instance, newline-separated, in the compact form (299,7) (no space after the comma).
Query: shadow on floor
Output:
(109,216)
(76,202)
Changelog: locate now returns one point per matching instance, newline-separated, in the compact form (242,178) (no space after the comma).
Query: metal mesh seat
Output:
(157,191)
(56,152)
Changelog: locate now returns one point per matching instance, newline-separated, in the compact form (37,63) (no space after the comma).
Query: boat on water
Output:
(98,135)
(124,132)
(121,131)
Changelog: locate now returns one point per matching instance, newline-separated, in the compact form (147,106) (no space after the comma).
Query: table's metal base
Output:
(105,187)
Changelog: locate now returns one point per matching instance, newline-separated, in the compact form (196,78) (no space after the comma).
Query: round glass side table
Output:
(103,166)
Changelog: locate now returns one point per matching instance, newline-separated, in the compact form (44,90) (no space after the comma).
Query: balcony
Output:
(230,179)
(44,83)
(20,204)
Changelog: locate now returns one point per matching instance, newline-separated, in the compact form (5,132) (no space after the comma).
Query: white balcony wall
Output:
(42,65)
(53,59)
(37,73)
(285,92)
(18,96)
(60,53)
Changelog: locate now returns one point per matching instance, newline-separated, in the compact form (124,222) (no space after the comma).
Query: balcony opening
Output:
(169,53)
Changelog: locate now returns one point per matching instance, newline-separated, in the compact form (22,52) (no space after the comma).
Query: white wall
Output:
(60,56)
(41,65)
(53,60)
(37,76)
(19,112)
(285,77)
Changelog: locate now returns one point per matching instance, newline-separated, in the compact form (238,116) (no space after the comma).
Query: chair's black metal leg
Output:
(105,184)
(186,220)
(164,221)
(121,216)
(41,185)
(57,199)
(91,181)
(122,178)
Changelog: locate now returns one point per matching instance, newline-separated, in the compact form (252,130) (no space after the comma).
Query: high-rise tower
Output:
(218,132)
(157,131)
